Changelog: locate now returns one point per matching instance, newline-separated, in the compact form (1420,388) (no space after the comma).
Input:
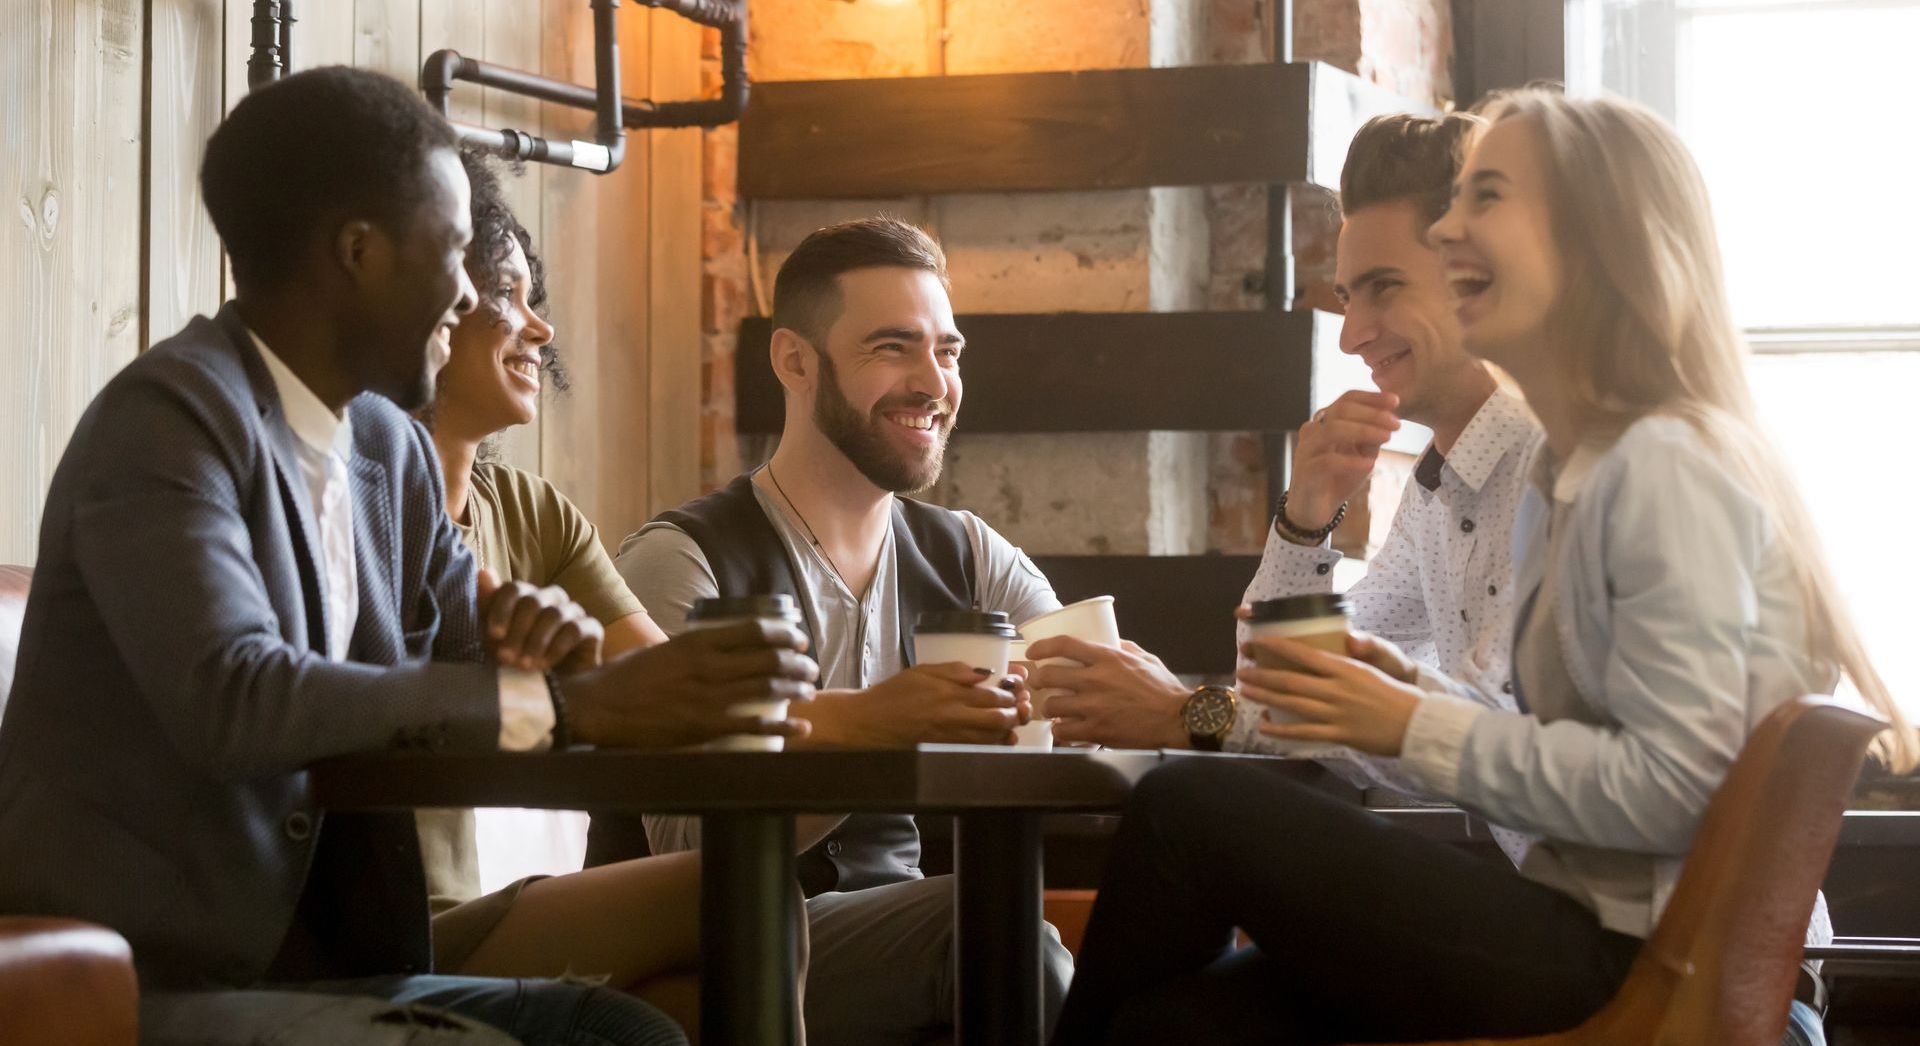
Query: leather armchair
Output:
(61,980)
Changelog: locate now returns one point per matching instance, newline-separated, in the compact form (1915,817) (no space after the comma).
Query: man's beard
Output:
(860,438)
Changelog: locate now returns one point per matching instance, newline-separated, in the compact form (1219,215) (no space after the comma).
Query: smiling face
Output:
(1399,312)
(493,379)
(397,330)
(1497,244)
(889,381)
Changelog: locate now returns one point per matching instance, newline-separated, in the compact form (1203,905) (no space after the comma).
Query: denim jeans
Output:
(404,1011)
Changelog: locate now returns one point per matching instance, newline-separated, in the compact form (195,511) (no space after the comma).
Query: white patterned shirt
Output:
(1440,586)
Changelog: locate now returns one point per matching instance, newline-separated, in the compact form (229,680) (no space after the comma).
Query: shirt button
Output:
(1322,569)
(1466,526)
(298,826)
(1507,687)
(1492,590)
(834,848)
(1463,615)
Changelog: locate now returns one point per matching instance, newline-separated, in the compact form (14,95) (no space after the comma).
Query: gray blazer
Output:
(172,685)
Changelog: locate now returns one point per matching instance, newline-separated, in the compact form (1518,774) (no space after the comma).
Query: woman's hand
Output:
(1363,704)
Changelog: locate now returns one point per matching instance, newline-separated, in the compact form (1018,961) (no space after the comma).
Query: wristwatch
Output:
(1208,715)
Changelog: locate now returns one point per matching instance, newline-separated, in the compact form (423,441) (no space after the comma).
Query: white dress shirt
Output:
(323,441)
(1440,587)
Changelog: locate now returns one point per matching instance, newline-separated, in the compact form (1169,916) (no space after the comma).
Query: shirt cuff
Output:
(1287,569)
(526,711)
(1436,737)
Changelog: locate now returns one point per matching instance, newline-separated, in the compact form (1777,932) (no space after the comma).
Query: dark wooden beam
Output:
(1100,372)
(1507,43)
(1179,607)
(1019,132)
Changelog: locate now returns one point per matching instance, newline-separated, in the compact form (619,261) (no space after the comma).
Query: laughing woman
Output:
(1671,592)
(635,923)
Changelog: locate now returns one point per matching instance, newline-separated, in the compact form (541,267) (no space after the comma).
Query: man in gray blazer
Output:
(245,567)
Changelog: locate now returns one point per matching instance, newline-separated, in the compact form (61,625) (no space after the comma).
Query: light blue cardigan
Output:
(1680,626)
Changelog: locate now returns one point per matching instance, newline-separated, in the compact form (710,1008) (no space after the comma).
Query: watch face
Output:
(1209,713)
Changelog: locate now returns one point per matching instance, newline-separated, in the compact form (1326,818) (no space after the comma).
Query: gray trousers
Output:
(881,970)
(407,1011)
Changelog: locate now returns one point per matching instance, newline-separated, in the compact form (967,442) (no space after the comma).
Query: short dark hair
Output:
(323,145)
(495,229)
(1405,156)
(806,293)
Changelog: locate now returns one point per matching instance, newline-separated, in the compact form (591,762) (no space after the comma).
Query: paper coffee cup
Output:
(720,612)
(1090,620)
(975,638)
(1318,620)
(1039,732)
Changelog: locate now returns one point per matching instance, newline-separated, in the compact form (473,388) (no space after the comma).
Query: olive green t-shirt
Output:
(522,529)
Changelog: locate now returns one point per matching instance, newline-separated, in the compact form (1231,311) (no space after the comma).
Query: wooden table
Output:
(746,803)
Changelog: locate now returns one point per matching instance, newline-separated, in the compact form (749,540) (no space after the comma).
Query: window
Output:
(1800,114)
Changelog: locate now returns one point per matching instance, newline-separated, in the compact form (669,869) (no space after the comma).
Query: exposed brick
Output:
(720,164)
(723,302)
(720,235)
(1328,31)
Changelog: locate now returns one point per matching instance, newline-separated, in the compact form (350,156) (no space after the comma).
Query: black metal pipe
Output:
(444,67)
(286,33)
(602,155)
(730,17)
(268,60)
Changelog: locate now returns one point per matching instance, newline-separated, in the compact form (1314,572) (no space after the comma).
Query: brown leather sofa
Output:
(61,980)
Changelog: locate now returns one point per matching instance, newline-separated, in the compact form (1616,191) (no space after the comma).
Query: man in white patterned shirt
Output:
(1438,587)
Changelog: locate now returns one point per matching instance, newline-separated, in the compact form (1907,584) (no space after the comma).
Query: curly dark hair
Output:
(495,229)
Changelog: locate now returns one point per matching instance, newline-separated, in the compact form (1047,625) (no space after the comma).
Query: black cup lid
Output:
(974,622)
(721,608)
(1299,608)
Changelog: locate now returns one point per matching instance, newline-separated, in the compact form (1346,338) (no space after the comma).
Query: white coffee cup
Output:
(720,612)
(1039,732)
(979,639)
(1090,620)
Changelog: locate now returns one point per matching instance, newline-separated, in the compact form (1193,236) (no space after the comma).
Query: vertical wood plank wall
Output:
(70,263)
(105,247)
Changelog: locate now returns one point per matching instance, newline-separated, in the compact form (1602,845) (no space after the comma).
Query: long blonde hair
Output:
(1645,313)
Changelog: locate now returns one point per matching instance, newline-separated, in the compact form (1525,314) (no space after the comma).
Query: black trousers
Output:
(1364,932)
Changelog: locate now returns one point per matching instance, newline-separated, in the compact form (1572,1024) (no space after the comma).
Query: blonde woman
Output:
(1670,593)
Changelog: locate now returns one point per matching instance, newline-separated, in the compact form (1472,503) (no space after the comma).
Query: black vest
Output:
(933,569)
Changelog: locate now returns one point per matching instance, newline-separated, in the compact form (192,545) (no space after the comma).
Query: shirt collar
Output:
(1501,426)
(312,423)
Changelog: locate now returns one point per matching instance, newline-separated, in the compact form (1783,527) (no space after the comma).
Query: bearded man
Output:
(867,351)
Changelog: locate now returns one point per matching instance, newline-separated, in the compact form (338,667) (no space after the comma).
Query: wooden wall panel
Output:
(183,258)
(594,230)
(90,173)
(460,25)
(70,175)
(322,33)
(386,37)
(512,38)
(673,249)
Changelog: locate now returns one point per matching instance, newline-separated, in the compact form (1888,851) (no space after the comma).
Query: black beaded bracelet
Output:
(1307,536)
(562,730)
